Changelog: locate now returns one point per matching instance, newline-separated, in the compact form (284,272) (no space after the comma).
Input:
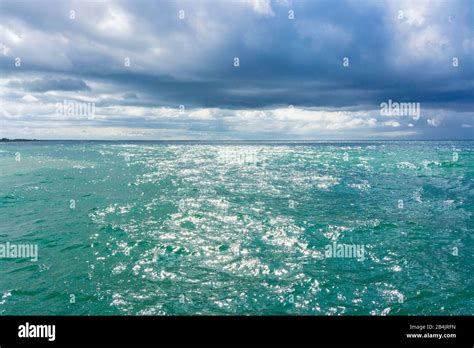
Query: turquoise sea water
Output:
(156,228)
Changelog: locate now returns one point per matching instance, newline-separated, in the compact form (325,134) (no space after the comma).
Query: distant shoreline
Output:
(6,140)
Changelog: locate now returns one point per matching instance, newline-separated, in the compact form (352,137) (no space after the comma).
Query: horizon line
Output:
(5,140)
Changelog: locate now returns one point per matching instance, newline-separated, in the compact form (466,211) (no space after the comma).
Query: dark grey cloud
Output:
(130,95)
(46,84)
(397,50)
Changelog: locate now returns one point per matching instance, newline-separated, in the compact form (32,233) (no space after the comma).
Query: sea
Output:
(236,228)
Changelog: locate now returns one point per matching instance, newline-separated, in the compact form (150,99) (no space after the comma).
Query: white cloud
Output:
(29,98)
(263,7)
(414,15)
(115,22)
(299,121)
(423,35)
(392,124)
(434,122)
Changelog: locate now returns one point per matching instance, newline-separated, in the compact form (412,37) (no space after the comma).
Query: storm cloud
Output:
(249,69)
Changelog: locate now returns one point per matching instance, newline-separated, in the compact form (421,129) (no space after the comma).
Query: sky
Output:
(236,69)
